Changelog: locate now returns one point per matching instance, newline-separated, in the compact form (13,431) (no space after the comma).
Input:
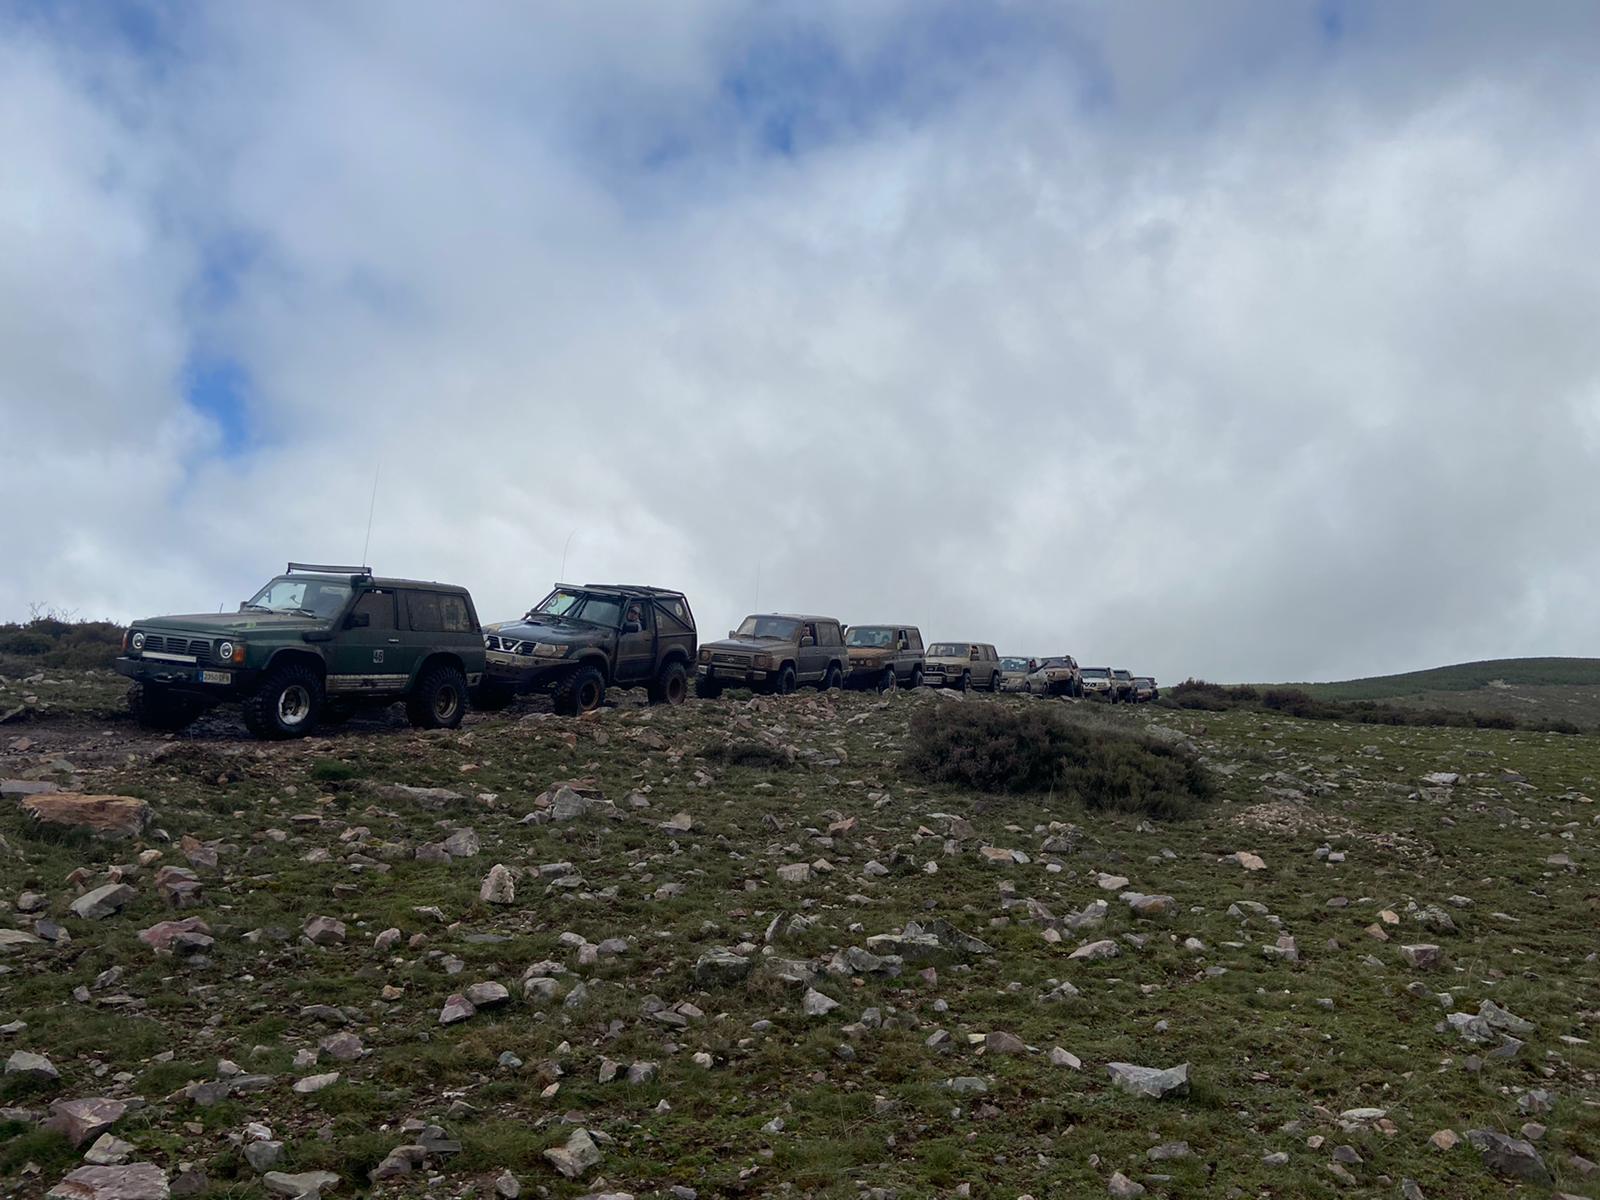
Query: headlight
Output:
(224,650)
(136,642)
(546,651)
(762,662)
(705,656)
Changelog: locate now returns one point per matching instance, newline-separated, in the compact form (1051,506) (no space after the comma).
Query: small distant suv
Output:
(1122,684)
(578,641)
(774,652)
(1014,673)
(308,648)
(1096,684)
(884,656)
(1057,676)
(962,665)
(1145,689)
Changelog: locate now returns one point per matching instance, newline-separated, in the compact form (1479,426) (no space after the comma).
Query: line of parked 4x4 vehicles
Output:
(317,643)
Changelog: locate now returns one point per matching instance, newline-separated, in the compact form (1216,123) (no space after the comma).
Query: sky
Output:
(1252,340)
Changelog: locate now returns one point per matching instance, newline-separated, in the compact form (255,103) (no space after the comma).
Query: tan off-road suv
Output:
(884,656)
(773,652)
(962,665)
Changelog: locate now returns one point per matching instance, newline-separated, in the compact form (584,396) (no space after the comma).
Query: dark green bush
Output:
(1001,748)
(757,755)
(51,641)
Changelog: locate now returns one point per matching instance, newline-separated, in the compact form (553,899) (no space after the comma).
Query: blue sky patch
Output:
(220,389)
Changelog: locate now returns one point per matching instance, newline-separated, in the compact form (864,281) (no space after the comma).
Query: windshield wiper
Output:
(261,607)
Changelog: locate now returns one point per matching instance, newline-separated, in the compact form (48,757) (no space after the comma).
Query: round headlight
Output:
(224,650)
(137,641)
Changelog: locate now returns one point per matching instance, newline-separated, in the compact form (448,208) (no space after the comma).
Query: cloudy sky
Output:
(1246,340)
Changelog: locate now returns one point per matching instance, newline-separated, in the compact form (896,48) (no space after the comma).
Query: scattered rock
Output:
(108,817)
(1510,1157)
(499,886)
(1154,1083)
(102,902)
(136,1181)
(577,1156)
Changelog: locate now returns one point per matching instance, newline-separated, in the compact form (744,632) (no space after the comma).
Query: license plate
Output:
(223,677)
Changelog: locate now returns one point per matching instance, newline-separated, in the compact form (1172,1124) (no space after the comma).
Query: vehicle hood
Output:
(235,623)
(869,654)
(958,661)
(749,646)
(555,633)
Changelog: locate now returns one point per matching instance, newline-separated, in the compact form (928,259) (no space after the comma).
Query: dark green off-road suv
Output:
(308,648)
(578,641)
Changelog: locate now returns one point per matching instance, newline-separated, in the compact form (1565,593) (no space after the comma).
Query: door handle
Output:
(394,641)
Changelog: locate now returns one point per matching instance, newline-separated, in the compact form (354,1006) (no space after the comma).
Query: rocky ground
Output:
(730,949)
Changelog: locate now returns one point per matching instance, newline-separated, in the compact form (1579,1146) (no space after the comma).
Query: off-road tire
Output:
(964,684)
(707,688)
(287,703)
(156,708)
(832,679)
(783,683)
(994,682)
(582,691)
(671,685)
(916,678)
(492,697)
(438,700)
(889,680)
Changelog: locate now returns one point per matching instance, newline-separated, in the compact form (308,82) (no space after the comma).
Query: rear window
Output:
(439,612)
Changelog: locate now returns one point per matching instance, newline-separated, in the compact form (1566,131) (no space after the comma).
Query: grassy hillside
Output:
(1463,677)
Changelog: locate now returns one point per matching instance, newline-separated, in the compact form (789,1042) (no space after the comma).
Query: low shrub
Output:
(49,639)
(745,753)
(997,748)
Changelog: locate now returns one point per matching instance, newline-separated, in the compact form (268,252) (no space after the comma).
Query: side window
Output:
(975,654)
(915,638)
(831,635)
(378,608)
(808,631)
(423,610)
(669,616)
(639,611)
(454,616)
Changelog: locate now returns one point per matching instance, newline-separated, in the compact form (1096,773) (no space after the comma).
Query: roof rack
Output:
(323,569)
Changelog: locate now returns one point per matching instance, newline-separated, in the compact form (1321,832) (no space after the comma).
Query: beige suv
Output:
(962,665)
(884,656)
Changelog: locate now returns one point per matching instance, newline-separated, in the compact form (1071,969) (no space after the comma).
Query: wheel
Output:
(965,682)
(157,708)
(492,697)
(888,681)
(832,679)
(439,698)
(707,687)
(994,682)
(286,704)
(671,686)
(582,691)
(783,681)
(916,677)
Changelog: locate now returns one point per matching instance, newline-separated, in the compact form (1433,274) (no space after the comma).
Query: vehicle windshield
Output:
(1145,680)
(947,650)
(1095,673)
(871,637)
(308,595)
(781,628)
(581,606)
(1013,664)
(1053,662)
(1122,675)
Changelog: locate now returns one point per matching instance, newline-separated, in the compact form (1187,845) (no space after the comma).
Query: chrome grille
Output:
(731,660)
(196,647)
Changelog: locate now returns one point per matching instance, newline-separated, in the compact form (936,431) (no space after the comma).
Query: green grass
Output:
(1264,1052)
(1463,677)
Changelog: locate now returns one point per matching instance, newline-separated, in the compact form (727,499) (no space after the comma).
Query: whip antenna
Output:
(372,507)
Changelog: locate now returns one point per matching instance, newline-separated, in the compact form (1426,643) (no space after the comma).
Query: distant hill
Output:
(1493,675)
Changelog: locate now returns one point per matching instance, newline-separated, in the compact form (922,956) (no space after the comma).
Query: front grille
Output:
(197,647)
(730,660)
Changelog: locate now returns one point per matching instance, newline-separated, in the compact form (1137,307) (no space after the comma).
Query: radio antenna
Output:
(562,578)
(372,507)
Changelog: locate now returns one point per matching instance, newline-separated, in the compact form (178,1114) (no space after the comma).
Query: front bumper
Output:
(213,683)
(523,672)
(726,673)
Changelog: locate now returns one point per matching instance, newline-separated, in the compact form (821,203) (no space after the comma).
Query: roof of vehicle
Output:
(960,642)
(358,576)
(798,617)
(621,589)
(883,625)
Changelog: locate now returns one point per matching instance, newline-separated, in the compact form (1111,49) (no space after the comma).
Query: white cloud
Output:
(1094,346)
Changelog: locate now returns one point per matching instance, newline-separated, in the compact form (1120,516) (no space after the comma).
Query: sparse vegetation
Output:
(1213,697)
(1037,748)
(52,639)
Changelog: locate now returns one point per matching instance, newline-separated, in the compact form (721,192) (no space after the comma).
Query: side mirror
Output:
(358,620)
(808,640)
(633,627)
(733,633)
(242,603)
